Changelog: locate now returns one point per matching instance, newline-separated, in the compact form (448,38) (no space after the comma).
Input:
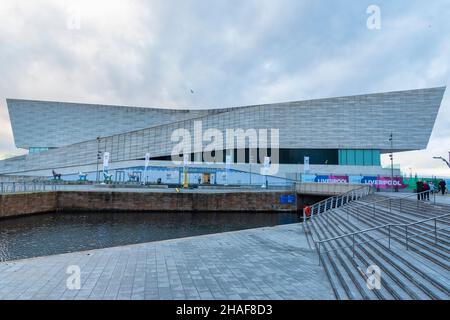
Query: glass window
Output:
(359,157)
(376,157)
(351,159)
(368,158)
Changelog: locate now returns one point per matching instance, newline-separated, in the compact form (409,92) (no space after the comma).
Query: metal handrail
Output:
(335,200)
(318,204)
(384,226)
(25,187)
(386,237)
(390,225)
(392,198)
(355,193)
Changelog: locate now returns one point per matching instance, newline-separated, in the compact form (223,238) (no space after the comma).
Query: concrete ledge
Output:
(326,189)
(131,186)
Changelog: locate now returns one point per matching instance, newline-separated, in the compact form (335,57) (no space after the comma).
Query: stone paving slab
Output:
(264,263)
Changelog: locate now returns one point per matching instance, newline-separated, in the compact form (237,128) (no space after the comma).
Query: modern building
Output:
(339,136)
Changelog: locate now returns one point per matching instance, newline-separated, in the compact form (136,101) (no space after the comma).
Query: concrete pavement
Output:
(265,263)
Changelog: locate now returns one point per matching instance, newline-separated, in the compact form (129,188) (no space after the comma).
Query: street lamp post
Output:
(391,139)
(98,160)
(441,158)
(251,161)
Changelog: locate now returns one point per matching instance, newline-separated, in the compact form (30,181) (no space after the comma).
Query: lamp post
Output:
(441,158)
(98,160)
(391,139)
(251,161)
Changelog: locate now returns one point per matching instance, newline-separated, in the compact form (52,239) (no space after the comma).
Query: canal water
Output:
(48,234)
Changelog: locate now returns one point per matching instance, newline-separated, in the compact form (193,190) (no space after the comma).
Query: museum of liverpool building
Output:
(341,139)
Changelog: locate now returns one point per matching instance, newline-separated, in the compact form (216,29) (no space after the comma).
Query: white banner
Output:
(266,165)
(306,165)
(228,161)
(186,159)
(106,156)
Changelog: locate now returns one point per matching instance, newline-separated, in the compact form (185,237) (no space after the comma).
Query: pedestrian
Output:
(442,186)
(426,188)
(432,187)
(419,189)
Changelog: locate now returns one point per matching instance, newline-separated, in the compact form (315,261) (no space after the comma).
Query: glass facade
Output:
(287,156)
(349,157)
(34,150)
(358,157)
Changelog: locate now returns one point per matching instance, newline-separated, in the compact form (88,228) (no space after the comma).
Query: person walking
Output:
(426,188)
(419,189)
(432,187)
(442,186)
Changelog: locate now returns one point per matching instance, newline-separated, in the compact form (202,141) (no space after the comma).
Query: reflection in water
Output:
(48,234)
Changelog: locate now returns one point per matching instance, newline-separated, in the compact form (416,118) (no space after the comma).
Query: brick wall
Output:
(30,203)
(244,201)
(27,203)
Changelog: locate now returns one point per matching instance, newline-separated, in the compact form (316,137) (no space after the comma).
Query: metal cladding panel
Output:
(357,122)
(57,124)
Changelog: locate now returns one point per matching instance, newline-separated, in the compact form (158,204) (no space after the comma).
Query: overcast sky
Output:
(230,53)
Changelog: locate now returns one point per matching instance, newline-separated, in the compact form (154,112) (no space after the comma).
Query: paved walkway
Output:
(264,263)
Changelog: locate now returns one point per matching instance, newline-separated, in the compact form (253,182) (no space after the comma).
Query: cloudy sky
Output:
(230,52)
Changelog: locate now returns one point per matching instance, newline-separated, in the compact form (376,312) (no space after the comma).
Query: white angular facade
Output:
(333,130)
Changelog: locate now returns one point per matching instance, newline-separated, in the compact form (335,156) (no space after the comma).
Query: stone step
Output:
(422,272)
(405,262)
(438,254)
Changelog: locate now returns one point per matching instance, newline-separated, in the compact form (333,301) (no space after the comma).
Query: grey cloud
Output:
(151,53)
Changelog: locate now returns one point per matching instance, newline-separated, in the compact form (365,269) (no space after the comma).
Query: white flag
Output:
(147,159)
(106,159)
(306,164)
(228,162)
(186,159)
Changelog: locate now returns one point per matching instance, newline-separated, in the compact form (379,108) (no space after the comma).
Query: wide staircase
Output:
(407,239)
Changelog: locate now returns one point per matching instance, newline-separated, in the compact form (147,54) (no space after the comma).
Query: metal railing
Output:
(326,206)
(338,201)
(407,236)
(24,187)
(389,203)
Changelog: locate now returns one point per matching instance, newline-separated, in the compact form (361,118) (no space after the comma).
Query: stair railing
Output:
(336,202)
(406,226)
(25,187)
(390,200)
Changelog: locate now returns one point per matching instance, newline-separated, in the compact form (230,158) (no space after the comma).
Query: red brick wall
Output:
(29,203)
(153,201)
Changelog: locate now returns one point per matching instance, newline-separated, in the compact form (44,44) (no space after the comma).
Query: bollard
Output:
(318,249)
(389,235)
(435,231)
(353,245)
